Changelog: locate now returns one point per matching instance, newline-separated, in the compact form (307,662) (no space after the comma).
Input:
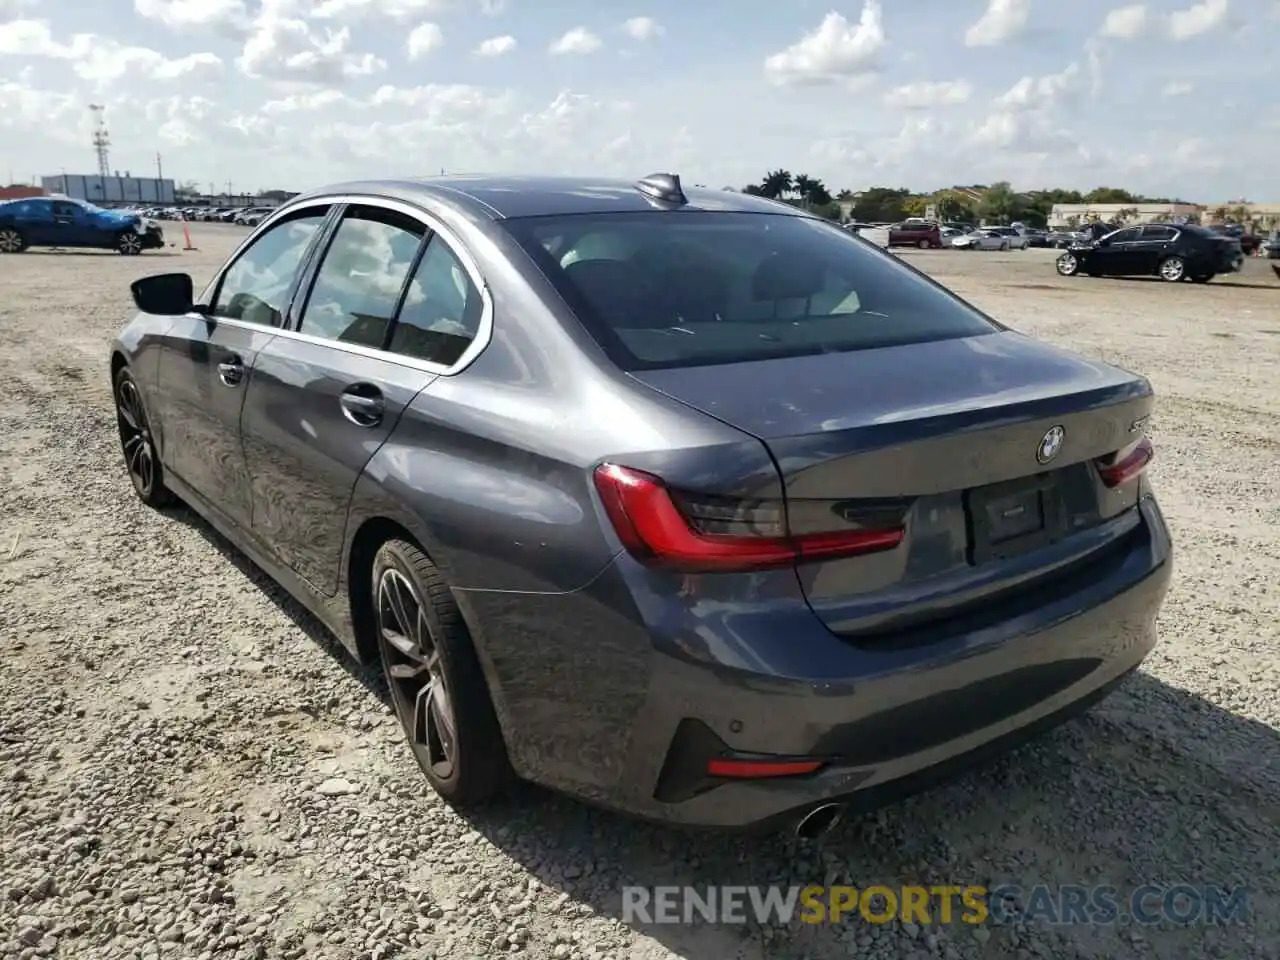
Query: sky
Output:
(1169,98)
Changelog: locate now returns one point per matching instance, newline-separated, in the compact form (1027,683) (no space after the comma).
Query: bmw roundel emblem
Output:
(1051,443)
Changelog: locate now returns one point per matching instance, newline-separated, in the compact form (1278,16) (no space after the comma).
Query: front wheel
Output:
(12,240)
(128,243)
(1068,265)
(1172,269)
(1004,247)
(437,686)
(923,244)
(140,456)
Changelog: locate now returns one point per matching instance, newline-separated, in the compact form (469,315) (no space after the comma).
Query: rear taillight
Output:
(1124,465)
(704,534)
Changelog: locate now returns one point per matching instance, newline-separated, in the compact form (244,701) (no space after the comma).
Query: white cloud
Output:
(925,95)
(643,28)
(286,48)
(424,39)
(305,102)
(1004,20)
(102,61)
(1176,88)
(836,51)
(496,46)
(223,17)
(1199,19)
(399,11)
(493,8)
(579,40)
(1125,23)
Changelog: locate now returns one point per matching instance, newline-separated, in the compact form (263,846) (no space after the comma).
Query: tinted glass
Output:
(442,309)
(256,285)
(361,277)
(1158,233)
(1127,236)
(689,288)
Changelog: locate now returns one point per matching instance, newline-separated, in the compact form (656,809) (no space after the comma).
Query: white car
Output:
(981,240)
(1017,241)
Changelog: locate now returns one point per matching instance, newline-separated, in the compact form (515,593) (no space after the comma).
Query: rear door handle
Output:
(362,404)
(231,371)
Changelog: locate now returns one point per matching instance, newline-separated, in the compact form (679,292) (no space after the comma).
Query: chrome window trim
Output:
(484,330)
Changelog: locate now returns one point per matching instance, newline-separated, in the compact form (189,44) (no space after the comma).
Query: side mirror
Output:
(165,295)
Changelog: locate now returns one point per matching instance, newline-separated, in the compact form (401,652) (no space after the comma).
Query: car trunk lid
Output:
(984,450)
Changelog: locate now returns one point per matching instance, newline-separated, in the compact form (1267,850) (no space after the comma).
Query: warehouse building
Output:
(111,190)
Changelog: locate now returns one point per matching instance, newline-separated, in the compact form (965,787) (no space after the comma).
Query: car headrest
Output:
(619,291)
(782,276)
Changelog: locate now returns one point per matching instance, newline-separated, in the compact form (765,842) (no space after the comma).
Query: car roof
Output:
(509,197)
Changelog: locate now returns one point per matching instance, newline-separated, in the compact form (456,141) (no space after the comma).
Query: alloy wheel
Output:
(10,241)
(135,438)
(1172,269)
(415,674)
(1067,264)
(130,244)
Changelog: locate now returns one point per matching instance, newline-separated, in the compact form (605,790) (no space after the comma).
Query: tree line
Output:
(997,203)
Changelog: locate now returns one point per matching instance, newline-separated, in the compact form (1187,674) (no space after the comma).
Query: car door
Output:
(207,360)
(68,228)
(326,394)
(1116,255)
(1153,245)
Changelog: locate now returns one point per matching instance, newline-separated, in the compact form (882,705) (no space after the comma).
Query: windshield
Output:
(693,288)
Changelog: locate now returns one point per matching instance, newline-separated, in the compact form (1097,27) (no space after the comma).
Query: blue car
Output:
(60,222)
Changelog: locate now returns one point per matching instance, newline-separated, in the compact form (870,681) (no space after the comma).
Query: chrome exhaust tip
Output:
(820,821)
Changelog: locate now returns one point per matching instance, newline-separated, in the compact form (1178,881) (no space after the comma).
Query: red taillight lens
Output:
(729,536)
(1127,464)
(748,769)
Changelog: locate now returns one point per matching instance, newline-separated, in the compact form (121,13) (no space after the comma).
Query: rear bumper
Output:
(650,704)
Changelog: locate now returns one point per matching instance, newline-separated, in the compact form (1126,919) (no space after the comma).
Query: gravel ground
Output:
(190,768)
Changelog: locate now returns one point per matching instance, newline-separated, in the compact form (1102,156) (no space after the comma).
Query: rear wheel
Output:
(1172,269)
(923,244)
(437,686)
(128,243)
(12,240)
(1004,246)
(1068,265)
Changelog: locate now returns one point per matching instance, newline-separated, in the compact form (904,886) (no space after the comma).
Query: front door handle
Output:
(231,371)
(362,405)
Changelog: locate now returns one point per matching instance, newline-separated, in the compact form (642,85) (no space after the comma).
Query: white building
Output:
(1065,215)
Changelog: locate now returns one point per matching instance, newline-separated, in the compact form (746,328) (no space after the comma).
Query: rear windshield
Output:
(685,288)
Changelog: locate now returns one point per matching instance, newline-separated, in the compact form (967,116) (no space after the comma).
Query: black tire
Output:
(1172,269)
(476,768)
(12,240)
(924,244)
(128,243)
(141,459)
(1068,265)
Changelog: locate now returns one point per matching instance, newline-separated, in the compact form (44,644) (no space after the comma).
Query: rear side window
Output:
(442,309)
(689,288)
(361,277)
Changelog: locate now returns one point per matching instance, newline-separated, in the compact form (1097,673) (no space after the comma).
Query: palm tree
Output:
(777,184)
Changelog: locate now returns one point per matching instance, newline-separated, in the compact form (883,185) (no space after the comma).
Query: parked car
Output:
(959,227)
(624,486)
(1017,240)
(1172,252)
(1271,249)
(981,240)
(1035,237)
(252,216)
(915,233)
(1249,243)
(62,222)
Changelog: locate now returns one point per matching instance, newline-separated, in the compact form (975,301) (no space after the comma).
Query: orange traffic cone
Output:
(186,236)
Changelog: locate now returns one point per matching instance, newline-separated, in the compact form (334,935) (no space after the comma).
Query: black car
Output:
(1170,251)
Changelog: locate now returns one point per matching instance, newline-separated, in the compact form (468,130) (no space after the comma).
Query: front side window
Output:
(442,309)
(256,286)
(690,288)
(1127,236)
(362,276)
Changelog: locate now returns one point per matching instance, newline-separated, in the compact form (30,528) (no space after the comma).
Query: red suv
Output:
(915,233)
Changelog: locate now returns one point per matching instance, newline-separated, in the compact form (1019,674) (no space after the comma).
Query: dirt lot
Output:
(167,713)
